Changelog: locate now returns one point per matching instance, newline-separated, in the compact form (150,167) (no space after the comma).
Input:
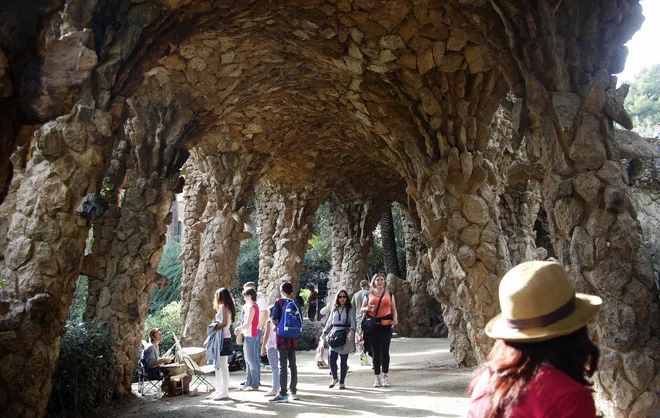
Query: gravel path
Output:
(424,383)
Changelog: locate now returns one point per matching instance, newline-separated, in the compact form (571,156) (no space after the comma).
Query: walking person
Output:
(381,306)
(269,349)
(225,315)
(339,331)
(543,357)
(312,302)
(356,304)
(250,331)
(287,319)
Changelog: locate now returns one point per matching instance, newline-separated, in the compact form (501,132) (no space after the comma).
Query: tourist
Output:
(381,305)
(262,304)
(542,357)
(341,321)
(151,356)
(269,349)
(312,303)
(357,300)
(288,321)
(225,315)
(251,341)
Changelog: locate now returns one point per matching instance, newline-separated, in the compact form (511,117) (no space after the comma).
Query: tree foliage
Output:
(171,267)
(643,101)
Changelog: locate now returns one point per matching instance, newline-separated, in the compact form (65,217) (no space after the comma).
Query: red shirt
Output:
(551,394)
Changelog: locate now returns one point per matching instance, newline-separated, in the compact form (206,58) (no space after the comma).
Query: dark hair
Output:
(223,297)
(287,288)
(348,299)
(250,292)
(514,364)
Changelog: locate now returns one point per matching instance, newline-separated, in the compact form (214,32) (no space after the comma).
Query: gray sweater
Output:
(338,317)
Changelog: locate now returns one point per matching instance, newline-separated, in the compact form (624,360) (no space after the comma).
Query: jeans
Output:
(380,338)
(343,366)
(274,368)
(289,355)
(252,362)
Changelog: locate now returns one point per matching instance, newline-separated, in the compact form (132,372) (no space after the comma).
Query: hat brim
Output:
(586,307)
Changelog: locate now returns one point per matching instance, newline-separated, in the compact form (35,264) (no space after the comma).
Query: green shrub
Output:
(79,302)
(171,267)
(167,319)
(80,381)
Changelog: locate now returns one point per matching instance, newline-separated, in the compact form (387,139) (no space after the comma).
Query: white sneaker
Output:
(220,396)
(377,382)
(385,382)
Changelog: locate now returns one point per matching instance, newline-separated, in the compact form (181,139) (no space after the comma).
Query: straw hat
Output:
(539,303)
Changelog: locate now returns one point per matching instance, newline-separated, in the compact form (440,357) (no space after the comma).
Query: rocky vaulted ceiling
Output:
(102,102)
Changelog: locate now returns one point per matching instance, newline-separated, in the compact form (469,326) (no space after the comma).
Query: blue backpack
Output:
(290,324)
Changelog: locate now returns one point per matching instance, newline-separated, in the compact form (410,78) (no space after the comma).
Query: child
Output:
(286,346)
(269,348)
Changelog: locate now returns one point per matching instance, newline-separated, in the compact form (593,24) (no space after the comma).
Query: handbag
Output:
(240,338)
(369,322)
(337,337)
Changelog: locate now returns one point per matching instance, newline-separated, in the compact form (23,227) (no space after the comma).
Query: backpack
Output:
(290,324)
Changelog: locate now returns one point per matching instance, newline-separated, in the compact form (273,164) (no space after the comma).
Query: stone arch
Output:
(410,86)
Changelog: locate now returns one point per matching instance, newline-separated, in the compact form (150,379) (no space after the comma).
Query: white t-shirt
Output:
(225,331)
(263,306)
(272,337)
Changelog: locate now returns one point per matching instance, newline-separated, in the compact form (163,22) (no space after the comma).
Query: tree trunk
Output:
(389,243)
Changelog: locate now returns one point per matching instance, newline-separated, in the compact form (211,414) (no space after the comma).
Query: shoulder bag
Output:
(369,322)
(339,334)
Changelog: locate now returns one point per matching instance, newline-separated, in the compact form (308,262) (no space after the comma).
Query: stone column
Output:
(418,275)
(195,200)
(268,209)
(353,222)
(295,211)
(596,235)
(127,249)
(224,228)
(42,240)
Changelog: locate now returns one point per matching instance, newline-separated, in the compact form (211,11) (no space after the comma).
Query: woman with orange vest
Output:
(380,304)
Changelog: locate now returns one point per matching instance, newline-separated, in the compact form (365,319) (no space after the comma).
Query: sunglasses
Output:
(342,297)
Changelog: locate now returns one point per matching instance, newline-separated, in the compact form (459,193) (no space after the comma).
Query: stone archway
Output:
(321,93)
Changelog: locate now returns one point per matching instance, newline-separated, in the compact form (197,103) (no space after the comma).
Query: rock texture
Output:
(296,101)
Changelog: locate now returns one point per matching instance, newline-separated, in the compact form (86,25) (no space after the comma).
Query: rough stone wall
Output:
(353,223)
(646,198)
(225,216)
(195,200)
(418,275)
(518,187)
(288,215)
(42,240)
(127,248)
(569,130)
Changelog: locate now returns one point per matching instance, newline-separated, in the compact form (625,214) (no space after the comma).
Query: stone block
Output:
(588,148)
(475,209)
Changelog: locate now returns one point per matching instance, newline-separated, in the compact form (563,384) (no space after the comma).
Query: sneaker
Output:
(293,397)
(220,396)
(385,382)
(377,382)
(250,389)
(271,393)
(279,399)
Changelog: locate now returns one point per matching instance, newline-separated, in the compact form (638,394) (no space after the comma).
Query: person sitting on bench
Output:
(150,354)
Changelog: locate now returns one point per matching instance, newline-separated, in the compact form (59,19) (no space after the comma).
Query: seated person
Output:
(150,355)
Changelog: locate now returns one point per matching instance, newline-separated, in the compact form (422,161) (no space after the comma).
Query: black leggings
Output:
(343,366)
(380,338)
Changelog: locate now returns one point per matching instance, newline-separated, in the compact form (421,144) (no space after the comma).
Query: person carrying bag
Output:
(339,332)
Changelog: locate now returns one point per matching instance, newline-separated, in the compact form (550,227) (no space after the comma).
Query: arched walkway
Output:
(425,383)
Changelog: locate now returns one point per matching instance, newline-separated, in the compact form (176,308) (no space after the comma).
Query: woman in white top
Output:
(225,316)
(250,329)
(269,348)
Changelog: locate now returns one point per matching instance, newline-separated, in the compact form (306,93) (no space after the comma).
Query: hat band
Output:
(543,320)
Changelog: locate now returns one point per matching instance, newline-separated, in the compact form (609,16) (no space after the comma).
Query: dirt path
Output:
(424,382)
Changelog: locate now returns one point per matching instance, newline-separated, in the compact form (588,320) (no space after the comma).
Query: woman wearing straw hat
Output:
(543,356)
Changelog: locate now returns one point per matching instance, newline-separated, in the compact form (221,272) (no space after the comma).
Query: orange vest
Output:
(384,309)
